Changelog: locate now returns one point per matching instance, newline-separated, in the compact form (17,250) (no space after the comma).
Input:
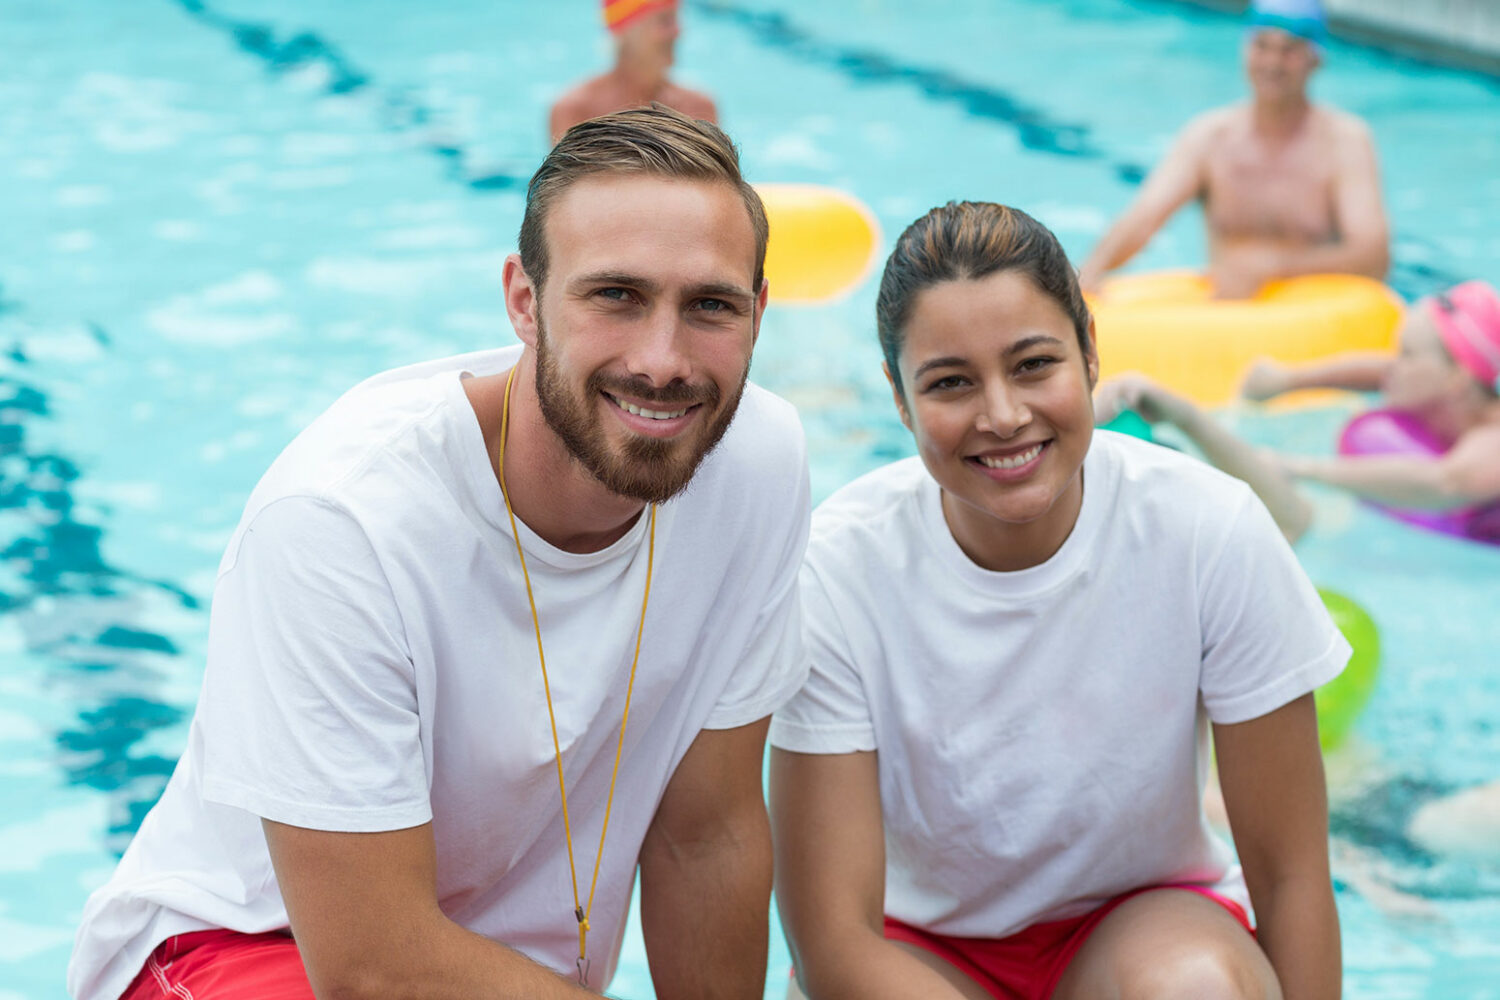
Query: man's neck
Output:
(549,490)
(640,80)
(1280,119)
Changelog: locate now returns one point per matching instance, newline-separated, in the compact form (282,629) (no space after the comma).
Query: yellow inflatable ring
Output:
(823,242)
(1169,326)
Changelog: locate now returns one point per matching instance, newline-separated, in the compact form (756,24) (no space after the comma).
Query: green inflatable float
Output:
(1342,699)
(1132,423)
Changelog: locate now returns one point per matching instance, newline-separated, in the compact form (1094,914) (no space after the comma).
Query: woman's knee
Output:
(1209,971)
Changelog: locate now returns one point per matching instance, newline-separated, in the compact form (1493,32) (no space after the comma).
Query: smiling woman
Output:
(1104,600)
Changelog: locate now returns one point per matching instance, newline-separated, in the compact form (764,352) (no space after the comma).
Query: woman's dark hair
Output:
(969,240)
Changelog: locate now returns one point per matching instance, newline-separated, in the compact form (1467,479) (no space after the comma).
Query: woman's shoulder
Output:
(1157,477)
(878,507)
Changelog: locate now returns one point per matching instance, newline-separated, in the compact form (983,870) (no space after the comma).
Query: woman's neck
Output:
(1007,547)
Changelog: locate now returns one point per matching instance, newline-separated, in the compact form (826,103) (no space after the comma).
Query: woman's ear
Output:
(897,395)
(1091,359)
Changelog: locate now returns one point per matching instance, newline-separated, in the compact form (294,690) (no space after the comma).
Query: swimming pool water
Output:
(222,214)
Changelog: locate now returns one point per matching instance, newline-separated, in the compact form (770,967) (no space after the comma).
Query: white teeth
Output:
(1011,461)
(648,414)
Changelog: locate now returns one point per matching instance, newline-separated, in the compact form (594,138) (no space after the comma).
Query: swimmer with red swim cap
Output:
(645,37)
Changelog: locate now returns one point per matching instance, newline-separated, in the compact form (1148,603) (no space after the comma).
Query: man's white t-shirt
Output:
(1041,734)
(372,666)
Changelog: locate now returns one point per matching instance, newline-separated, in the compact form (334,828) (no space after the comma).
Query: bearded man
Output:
(497,631)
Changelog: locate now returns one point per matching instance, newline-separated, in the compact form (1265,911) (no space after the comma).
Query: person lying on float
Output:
(1288,187)
(1446,376)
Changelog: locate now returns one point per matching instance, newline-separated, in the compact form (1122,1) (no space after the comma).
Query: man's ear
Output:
(522,300)
(761,297)
(897,396)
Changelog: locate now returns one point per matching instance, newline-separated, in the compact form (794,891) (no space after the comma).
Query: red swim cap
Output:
(620,14)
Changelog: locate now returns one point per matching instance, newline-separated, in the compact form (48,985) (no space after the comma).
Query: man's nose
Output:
(659,352)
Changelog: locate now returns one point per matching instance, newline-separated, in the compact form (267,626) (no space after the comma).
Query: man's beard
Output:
(652,470)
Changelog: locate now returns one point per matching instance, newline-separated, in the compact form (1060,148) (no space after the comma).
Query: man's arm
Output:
(364,911)
(1467,475)
(1175,181)
(1271,772)
(706,871)
(830,884)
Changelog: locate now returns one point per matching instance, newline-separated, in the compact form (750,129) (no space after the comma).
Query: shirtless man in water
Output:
(1288,187)
(645,34)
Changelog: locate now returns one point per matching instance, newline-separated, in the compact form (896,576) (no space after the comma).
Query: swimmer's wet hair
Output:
(655,141)
(970,240)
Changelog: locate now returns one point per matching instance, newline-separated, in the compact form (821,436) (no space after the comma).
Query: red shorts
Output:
(1028,964)
(223,965)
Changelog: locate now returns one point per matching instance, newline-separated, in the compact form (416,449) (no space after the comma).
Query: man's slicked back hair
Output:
(655,141)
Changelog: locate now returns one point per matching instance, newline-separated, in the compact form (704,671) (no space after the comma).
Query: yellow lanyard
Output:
(579,911)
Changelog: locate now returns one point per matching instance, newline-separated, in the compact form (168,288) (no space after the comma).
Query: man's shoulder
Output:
(766,434)
(1216,123)
(374,428)
(584,100)
(693,103)
(1345,127)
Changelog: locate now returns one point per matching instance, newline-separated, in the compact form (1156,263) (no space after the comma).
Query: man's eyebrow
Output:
(624,279)
(720,290)
(621,278)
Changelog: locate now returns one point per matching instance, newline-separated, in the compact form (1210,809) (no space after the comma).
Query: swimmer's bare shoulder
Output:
(693,103)
(1349,132)
(588,99)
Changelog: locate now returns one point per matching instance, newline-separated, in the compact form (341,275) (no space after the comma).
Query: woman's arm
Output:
(1271,772)
(830,884)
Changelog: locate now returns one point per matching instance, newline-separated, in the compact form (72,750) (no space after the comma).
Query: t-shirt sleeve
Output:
(1267,638)
(772,665)
(831,713)
(308,713)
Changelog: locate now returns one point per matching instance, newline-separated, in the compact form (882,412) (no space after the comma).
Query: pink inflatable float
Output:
(1392,432)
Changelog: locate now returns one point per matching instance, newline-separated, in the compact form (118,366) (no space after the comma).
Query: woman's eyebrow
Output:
(1026,343)
(926,366)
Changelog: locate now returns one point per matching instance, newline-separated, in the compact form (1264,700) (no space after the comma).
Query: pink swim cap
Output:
(1468,319)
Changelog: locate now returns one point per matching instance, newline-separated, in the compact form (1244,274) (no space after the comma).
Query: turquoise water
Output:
(221,215)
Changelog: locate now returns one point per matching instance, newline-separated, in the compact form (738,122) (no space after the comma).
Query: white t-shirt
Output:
(1041,733)
(372,665)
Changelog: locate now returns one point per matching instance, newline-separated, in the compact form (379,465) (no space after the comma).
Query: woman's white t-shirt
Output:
(372,666)
(1042,734)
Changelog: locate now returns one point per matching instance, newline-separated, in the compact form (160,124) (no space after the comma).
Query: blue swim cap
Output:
(1303,18)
